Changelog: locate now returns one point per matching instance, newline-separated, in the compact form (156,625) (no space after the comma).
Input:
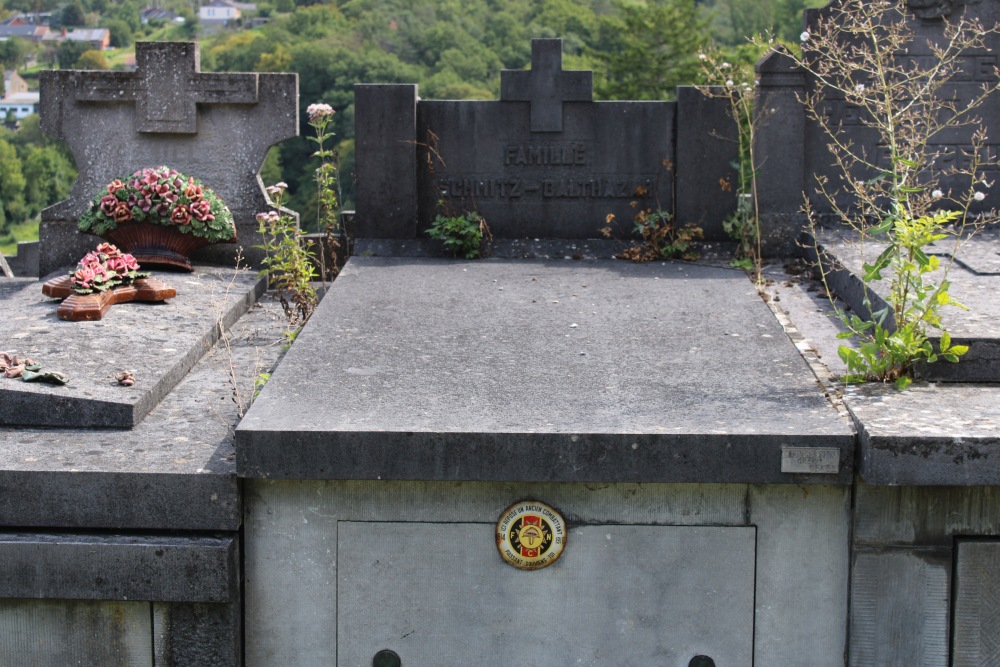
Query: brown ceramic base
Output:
(89,307)
(157,246)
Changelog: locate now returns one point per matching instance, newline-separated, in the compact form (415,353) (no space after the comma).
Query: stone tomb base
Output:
(703,476)
(651,574)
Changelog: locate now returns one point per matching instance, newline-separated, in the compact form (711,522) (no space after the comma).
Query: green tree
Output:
(73,15)
(91,59)
(121,33)
(128,12)
(12,52)
(48,178)
(11,186)
(69,53)
(651,48)
(188,29)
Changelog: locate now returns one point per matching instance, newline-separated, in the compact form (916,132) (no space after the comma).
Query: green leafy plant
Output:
(659,237)
(258,383)
(160,196)
(858,52)
(288,261)
(462,235)
(887,353)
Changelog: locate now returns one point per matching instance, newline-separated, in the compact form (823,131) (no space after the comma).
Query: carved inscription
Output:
(565,176)
(815,460)
(584,187)
(523,155)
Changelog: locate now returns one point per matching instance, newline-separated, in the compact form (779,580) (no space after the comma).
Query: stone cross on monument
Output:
(167,86)
(546,86)
(213,126)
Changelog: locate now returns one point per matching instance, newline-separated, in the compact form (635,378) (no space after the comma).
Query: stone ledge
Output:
(931,434)
(174,471)
(598,371)
(119,567)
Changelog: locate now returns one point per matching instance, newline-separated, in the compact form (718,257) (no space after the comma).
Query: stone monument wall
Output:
(543,161)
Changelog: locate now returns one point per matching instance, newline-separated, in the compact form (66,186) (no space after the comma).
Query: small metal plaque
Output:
(530,535)
(815,460)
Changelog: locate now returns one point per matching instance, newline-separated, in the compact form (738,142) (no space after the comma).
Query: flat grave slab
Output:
(975,282)
(932,434)
(176,470)
(530,370)
(158,342)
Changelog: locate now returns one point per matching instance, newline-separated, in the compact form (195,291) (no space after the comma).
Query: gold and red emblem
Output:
(530,535)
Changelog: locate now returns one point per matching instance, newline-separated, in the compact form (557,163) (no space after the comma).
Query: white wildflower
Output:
(937,194)
(725,65)
(860,87)
(804,37)
(317,111)
(729,82)
(702,56)
(979,196)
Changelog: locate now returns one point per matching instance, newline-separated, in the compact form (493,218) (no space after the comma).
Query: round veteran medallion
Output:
(530,535)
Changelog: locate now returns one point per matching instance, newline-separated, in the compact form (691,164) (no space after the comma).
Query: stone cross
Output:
(213,126)
(546,86)
(167,86)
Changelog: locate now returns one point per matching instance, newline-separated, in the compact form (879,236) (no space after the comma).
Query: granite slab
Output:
(975,282)
(931,434)
(173,471)
(531,370)
(158,342)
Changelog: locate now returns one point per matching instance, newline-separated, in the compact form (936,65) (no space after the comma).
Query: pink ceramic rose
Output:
(180,215)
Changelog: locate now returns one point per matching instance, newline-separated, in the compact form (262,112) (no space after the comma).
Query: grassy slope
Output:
(24,232)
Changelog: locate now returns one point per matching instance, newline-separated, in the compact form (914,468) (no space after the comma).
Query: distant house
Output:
(155,14)
(34,18)
(26,31)
(218,12)
(21,104)
(12,84)
(99,39)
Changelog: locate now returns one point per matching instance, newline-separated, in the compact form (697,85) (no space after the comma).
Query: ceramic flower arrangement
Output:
(104,268)
(161,196)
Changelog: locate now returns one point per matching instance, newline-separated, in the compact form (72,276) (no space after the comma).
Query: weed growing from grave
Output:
(288,261)
(327,183)
(660,237)
(857,51)
(463,233)
(236,381)
(259,381)
(734,81)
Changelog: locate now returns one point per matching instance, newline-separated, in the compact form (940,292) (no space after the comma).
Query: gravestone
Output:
(216,127)
(793,152)
(544,161)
